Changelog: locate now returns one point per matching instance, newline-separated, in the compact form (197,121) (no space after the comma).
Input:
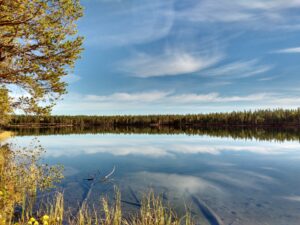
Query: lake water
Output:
(223,180)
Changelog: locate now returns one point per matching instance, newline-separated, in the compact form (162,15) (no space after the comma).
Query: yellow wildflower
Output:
(45,217)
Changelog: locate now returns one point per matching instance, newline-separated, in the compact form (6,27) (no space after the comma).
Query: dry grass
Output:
(152,212)
(21,177)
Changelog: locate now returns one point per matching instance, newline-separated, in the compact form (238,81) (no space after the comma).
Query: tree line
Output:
(278,118)
(262,133)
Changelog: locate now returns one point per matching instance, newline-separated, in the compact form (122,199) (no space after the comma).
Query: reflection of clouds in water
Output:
(221,164)
(160,151)
(259,176)
(154,146)
(295,198)
(114,150)
(176,182)
(217,149)
(269,168)
(241,179)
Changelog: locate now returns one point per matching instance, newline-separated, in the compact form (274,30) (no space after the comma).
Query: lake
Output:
(223,180)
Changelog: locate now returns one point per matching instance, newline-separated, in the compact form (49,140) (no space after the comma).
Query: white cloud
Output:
(289,50)
(169,63)
(170,97)
(129,97)
(240,69)
(215,97)
(162,102)
(267,78)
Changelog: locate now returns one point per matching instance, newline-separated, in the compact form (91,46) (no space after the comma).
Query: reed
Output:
(21,176)
(152,212)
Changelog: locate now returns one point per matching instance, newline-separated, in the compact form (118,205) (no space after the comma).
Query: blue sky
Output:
(191,56)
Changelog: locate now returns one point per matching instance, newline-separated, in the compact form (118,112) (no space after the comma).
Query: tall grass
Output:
(152,212)
(21,176)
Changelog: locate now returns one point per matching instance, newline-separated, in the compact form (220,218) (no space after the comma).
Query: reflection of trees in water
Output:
(288,134)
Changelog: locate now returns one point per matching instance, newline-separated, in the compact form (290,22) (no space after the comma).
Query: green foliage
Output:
(266,118)
(5,107)
(38,45)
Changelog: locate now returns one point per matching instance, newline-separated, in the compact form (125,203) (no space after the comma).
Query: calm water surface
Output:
(224,181)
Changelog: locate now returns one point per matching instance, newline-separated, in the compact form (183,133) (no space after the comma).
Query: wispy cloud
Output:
(267,78)
(257,13)
(216,97)
(169,102)
(169,97)
(169,63)
(129,97)
(240,69)
(118,23)
(289,50)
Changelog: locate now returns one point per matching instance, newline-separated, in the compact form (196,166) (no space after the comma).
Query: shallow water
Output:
(223,180)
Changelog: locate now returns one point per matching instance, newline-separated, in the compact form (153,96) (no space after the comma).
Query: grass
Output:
(21,176)
(152,212)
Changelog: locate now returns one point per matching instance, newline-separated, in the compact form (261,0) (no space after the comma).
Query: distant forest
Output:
(278,118)
(263,134)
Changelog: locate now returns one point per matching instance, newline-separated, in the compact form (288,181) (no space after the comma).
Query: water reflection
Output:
(258,133)
(224,180)
(155,146)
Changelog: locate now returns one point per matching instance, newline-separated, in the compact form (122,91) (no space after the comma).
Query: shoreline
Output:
(193,126)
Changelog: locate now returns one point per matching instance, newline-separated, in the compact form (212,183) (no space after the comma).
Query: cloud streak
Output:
(289,50)
(162,102)
(169,63)
(169,97)
(240,69)
(256,14)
